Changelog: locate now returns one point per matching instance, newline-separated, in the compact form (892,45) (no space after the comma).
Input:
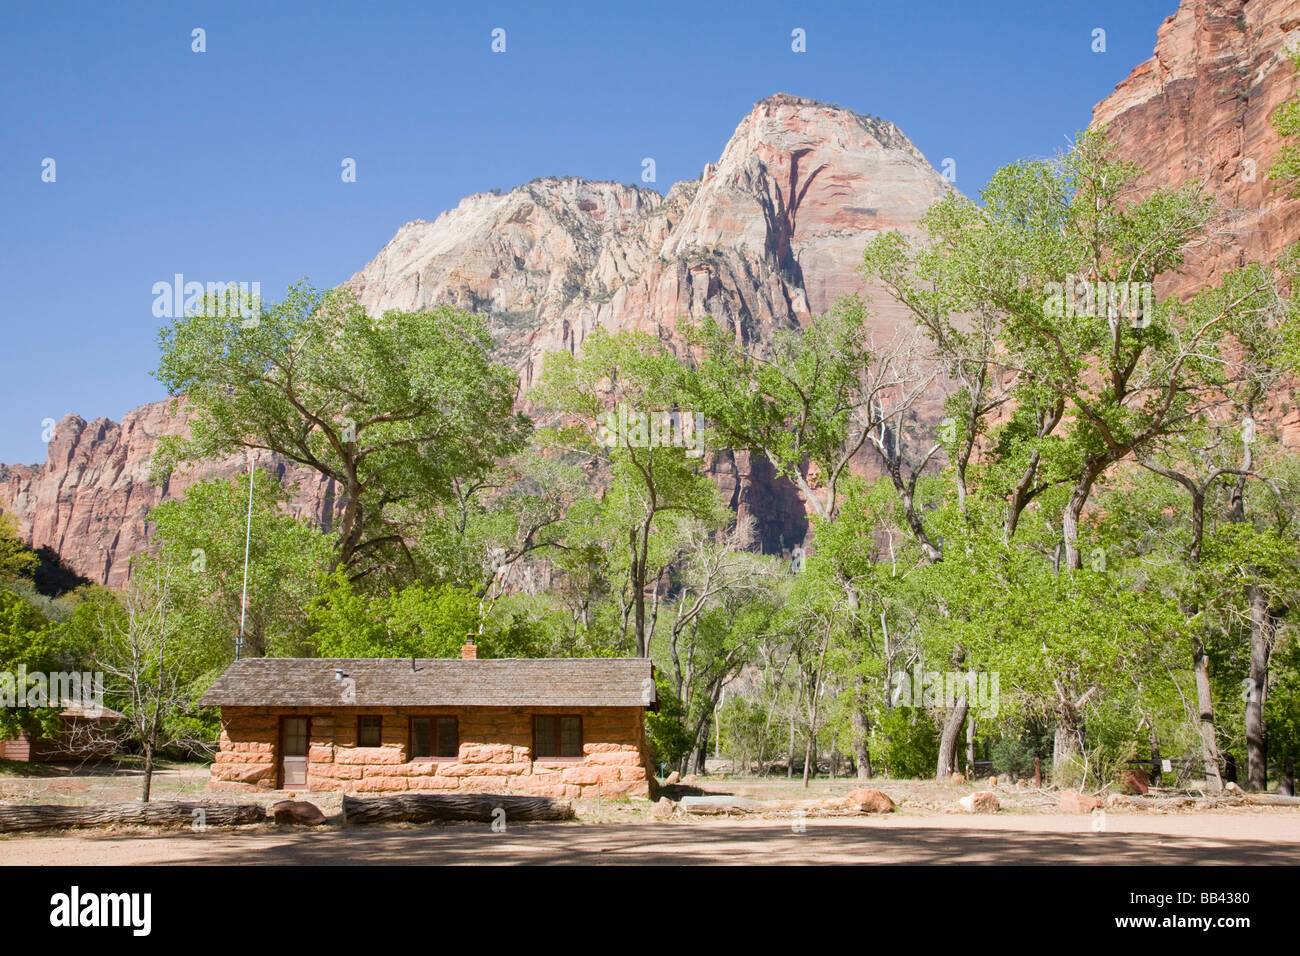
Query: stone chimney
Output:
(468,651)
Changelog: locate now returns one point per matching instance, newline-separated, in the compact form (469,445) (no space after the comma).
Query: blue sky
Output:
(225,165)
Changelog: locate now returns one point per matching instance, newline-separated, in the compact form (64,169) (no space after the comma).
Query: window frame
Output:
(433,737)
(559,737)
(361,719)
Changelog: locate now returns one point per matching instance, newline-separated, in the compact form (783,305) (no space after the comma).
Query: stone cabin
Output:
(554,727)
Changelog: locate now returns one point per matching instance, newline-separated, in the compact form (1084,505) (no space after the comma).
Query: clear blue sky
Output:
(225,165)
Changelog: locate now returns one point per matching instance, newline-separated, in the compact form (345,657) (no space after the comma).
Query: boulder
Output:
(663,809)
(957,778)
(870,801)
(672,778)
(981,801)
(1134,781)
(297,813)
(1072,802)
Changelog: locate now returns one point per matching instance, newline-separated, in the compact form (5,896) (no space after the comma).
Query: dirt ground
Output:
(924,829)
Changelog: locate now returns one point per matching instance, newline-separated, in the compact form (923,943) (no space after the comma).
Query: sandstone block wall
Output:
(495,754)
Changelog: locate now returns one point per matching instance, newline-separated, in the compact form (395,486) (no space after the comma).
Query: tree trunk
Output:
(148,773)
(1205,720)
(1070,520)
(970,744)
(425,808)
(1256,744)
(861,731)
(1065,740)
(1156,766)
(23,818)
(948,740)
(638,595)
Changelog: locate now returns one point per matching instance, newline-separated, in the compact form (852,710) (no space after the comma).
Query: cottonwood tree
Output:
(146,662)
(202,537)
(1121,380)
(494,523)
(391,409)
(655,489)
(811,403)
(723,601)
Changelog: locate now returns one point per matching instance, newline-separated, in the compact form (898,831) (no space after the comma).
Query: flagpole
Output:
(248,535)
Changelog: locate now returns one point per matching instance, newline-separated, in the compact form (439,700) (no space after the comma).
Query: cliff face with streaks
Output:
(768,235)
(1199,110)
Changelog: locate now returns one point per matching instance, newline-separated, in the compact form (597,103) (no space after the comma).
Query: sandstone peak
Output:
(771,232)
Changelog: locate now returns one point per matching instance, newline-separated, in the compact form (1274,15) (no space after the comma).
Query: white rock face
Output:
(769,234)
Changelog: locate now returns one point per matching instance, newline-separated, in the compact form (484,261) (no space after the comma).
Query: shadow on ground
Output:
(671,844)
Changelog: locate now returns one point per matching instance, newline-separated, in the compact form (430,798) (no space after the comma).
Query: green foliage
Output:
(394,409)
(904,743)
(16,559)
(1014,753)
(27,641)
(1286,121)
(202,538)
(670,739)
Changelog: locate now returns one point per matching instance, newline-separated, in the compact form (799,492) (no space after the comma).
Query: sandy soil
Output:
(1212,838)
(924,829)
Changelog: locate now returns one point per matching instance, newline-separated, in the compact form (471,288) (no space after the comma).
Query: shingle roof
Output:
(437,682)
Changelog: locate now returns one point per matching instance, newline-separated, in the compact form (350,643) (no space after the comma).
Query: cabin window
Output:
(369,730)
(435,737)
(557,736)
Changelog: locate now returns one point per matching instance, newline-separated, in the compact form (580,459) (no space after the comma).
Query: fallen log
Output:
(719,805)
(16,819)
(1272,800)
(429,808)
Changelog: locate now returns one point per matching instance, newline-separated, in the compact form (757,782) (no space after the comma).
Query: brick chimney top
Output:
(468,651)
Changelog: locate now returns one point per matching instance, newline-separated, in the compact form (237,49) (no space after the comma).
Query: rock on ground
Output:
(870,801)
(981,801)
(298,813)
(1072,802)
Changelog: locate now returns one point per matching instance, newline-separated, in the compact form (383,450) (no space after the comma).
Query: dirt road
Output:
(1205,838)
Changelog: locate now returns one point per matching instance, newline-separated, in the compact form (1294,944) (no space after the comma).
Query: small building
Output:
(556,727)
(85,733)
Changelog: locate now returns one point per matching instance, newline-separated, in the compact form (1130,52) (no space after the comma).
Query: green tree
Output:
(202,537)
(16,559)
(655,489)
(392,409)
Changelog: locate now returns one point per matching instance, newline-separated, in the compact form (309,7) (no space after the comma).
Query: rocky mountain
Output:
(91,499)
(766,236)
(1199,110)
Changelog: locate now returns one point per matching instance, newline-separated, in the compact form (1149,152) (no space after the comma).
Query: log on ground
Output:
(431,808)
(722,804)
(16,819)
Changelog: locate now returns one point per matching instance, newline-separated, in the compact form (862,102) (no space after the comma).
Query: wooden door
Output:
(295,739)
